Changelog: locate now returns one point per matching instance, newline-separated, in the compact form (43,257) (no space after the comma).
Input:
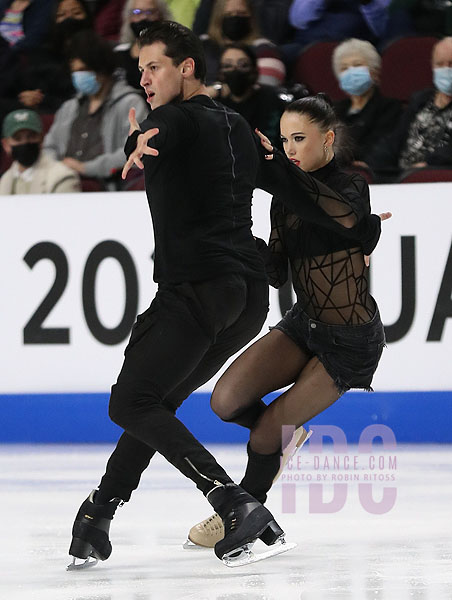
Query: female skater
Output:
(332,338)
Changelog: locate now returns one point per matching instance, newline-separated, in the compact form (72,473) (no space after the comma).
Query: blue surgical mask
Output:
(85,82)
(442,78)
(355,81)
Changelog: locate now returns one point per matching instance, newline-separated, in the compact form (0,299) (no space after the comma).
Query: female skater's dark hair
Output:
(320,111)
(180,42)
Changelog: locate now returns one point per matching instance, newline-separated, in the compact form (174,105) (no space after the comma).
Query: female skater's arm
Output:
(346,213)
(274,255)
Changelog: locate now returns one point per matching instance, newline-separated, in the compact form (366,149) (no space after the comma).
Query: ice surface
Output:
(404,554)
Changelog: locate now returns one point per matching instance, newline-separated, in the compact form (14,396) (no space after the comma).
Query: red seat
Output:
(427,174)
(90,184)
(406,66)
(134,181)
(314,69)
(5,161)
(47,120)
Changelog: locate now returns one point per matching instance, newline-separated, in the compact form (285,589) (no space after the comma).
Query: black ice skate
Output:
(90,532)
(245,520)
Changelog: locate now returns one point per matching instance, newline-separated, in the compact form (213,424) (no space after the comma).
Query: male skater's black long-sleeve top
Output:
(199,190)
(321,224)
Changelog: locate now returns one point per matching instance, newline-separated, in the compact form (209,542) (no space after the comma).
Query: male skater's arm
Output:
(166,128)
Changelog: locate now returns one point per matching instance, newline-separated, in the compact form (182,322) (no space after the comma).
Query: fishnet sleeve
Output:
(275,254)
(346,213)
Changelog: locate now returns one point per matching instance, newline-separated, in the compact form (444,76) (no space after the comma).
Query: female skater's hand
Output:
(266,144)
(383,217)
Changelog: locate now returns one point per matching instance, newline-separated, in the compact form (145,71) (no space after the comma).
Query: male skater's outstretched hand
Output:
(142,145)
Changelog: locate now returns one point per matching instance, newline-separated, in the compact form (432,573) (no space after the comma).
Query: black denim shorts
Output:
(349,353)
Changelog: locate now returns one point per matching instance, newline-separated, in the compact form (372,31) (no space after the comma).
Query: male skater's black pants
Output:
(179,343)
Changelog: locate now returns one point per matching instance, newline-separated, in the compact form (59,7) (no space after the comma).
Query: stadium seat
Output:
(406,66)
(5,161)
(427,174)
(90,184)
(313,69)
(47,120)
(134,181)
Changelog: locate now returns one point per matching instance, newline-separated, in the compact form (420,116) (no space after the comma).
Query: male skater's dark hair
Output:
(180,42)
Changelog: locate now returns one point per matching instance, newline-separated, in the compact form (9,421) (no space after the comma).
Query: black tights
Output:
(271,363)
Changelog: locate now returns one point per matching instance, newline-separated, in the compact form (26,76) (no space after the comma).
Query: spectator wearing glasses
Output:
(137,15)
(237,87)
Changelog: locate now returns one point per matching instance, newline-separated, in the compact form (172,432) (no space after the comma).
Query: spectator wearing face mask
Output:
(234,21)
(89,130)
(237,88)
(368,114)
(44,82)
(32,172)
(23,26)
(423,135)
(137,15)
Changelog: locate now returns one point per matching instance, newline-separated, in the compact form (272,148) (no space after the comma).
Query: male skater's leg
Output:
(164,348)
(131,457)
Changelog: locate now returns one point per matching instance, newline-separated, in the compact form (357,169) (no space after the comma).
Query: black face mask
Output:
(67,28)
(239,82)
(138,27)
(26,154)
(236,28)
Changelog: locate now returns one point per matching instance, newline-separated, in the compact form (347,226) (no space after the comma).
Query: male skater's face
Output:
(160,78)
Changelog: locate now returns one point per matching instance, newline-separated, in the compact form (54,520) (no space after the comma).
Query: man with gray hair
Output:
(423,136)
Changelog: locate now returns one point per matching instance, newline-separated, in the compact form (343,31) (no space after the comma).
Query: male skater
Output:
(200,164)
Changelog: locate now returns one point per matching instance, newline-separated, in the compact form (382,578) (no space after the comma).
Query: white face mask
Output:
(355,80)
(442,78)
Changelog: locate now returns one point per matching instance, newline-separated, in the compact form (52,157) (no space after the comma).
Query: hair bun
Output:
(325,98)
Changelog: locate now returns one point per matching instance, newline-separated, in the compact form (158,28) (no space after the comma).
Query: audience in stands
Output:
(423,136)
(23,25)
(316,20)
(108,18)
(368,114)
(52,62)
(235,21)
(237,88)
(32,172)
(183,11)
(425,17)
(136,16)
(272,18)
(44,81)
(89,130)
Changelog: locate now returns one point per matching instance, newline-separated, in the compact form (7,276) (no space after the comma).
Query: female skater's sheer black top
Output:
(321,225)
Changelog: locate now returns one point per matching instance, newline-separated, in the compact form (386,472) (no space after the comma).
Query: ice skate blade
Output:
(189,545)
(245,556)
(86,564)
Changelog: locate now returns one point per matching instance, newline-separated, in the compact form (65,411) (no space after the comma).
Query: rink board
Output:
(79,268)
(414,417)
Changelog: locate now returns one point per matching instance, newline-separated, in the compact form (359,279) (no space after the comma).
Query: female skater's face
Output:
(304,143)
(160,78)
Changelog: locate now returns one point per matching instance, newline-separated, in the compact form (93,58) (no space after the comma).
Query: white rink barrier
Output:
(75,270)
